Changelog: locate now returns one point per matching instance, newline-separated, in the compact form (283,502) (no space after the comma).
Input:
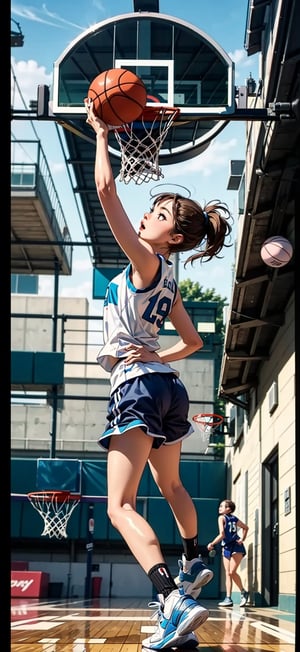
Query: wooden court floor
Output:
(119,625)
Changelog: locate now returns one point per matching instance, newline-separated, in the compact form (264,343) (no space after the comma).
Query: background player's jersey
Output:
(230,529)
(134,316)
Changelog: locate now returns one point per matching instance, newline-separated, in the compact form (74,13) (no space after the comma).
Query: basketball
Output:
(119,96)
(276,251)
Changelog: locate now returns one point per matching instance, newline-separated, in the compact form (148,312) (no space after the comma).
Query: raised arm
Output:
(137,251)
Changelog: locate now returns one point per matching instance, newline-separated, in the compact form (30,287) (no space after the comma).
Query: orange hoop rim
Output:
(47,496)
(150,113)
(217,419)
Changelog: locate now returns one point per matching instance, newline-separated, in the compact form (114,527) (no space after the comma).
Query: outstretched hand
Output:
(92,119)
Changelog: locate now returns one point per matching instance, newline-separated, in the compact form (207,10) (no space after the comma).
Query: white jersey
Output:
(134,316)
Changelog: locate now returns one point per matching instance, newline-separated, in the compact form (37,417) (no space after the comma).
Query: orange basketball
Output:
(119,96)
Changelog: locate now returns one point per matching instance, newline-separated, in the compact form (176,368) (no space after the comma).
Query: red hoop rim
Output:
(217,419)
(47,496)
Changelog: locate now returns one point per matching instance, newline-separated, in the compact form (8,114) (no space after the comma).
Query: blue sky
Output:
(48,29)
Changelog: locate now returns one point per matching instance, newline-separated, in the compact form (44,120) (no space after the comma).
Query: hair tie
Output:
(206,217)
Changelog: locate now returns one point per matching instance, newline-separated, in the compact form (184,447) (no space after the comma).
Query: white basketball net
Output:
(140,143)
(55,510)
(205,424)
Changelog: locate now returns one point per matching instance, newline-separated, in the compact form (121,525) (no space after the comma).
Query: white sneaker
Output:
(179,615)
(244,598)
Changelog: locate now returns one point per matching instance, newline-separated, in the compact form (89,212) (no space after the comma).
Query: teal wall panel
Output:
(48,368)
(16,512)
(21,372)
(23,475)
(161,519)
(189,471)
(212,479)
(40,368)
(94,478)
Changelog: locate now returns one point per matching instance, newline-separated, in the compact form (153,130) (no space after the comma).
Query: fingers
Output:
(92,119)
(88,103)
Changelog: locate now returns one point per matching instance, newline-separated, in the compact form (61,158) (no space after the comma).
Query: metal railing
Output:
(34,174)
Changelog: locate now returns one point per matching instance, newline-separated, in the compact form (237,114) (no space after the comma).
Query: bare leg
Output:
(164,466)
(228,579)
(127,457)
(235,561)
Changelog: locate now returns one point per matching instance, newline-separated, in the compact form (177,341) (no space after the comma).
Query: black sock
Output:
(190,548)
(162,579)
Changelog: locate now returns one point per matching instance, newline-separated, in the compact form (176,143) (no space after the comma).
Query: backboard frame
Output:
(66,110)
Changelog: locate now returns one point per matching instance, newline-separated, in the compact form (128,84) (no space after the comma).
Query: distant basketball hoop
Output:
(206,424)
(55,508)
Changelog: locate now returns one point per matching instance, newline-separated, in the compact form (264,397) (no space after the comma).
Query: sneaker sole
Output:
(183,643)
(187,642)
(175,641)
(192,621)
(194,589)
(205,578)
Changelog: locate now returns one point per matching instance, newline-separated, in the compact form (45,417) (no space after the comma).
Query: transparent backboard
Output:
(180,65)
(58,474)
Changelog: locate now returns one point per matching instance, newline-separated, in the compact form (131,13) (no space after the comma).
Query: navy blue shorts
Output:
(229,549)
(158,403)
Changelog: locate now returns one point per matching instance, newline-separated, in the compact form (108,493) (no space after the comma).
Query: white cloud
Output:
(26,76)
(239,57)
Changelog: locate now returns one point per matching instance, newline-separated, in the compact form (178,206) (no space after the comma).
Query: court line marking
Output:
(36,626)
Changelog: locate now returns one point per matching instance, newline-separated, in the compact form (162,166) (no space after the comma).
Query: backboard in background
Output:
(58,474)
(180,65)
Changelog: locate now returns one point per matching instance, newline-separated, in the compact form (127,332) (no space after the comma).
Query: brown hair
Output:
(229,503)
(206,227)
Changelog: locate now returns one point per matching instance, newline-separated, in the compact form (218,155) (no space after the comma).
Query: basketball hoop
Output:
(140,143)
(55,508)
(206,424)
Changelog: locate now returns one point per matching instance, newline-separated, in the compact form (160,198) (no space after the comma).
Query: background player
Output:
(233,549)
